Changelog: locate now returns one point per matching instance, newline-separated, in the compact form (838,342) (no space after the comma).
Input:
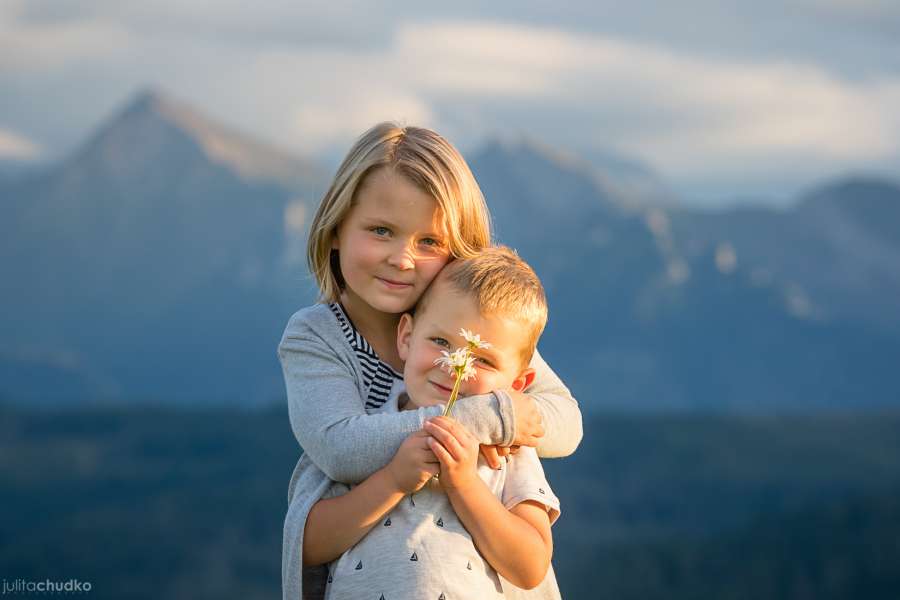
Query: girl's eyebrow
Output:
(378,220)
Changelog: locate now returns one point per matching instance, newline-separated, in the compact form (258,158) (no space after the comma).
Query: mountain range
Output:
(161,260)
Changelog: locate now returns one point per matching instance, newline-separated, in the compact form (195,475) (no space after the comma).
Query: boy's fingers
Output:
(457,429)
(440,452)
(447,439)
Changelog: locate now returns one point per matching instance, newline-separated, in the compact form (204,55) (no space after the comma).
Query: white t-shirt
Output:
(422,550)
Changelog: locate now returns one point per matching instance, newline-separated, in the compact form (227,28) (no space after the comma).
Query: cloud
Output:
(312,80)
(684,112)
(50,47)
(14,146)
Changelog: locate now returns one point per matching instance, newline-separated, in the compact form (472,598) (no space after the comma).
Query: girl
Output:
(403,203)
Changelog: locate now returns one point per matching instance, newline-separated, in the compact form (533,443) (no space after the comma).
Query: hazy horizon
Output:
(722,100)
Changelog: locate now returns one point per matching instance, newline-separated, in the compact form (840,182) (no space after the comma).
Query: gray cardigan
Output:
(341,442)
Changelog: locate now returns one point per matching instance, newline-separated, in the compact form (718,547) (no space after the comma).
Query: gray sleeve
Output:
(329,420)
(308,484)
(560,412)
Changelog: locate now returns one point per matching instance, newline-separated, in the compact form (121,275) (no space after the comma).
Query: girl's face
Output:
(391,244)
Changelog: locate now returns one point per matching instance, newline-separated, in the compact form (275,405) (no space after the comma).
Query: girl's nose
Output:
(402,259)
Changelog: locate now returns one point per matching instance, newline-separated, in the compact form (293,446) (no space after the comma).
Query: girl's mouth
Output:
(394,285)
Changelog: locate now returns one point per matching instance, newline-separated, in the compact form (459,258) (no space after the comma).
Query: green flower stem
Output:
(455,392)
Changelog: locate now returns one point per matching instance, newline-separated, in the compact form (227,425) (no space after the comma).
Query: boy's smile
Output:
(436,328)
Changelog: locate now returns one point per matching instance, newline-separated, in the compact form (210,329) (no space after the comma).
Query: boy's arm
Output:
(334,525)
(516,542)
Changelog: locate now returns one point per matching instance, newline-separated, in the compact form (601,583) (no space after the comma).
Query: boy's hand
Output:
(529,422)
(456,449)
(414,463)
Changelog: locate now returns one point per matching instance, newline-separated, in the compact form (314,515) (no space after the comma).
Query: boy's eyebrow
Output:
(487,353)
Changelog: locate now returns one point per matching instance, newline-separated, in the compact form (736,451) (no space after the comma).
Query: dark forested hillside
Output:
(164,503)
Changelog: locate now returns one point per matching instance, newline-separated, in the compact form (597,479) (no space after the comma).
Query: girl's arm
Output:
(334,525)
(329,420)
(328,414)
(559,411)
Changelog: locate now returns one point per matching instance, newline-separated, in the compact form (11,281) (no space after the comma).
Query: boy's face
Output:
(421,339)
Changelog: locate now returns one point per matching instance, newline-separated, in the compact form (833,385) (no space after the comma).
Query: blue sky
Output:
(724,99)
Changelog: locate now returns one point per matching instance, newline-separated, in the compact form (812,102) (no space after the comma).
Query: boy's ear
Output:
(404,334)
(523,380)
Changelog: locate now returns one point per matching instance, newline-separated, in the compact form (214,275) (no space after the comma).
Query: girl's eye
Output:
(431,242)
(382,231)
(441,342)
(483,361)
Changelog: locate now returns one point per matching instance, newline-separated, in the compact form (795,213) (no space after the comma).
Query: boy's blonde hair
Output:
(429,162)
(503,285)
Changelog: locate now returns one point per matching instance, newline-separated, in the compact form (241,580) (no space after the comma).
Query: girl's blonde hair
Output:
(429,162)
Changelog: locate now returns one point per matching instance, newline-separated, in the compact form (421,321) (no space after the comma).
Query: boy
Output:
(400,533)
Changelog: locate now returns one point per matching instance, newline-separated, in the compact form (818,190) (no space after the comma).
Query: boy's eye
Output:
(441,342)
(483,361)
(382,231)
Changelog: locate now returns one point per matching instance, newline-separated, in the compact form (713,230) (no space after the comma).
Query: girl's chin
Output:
(392,304)
(389,306)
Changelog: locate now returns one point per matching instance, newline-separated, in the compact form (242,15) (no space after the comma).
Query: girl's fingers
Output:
(491,456)
(427,456)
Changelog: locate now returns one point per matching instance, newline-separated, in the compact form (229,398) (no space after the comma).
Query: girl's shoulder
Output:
(316,321)
(312,315)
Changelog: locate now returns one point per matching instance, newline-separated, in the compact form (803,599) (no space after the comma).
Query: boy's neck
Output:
(378,328)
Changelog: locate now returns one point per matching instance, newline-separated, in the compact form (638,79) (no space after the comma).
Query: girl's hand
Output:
(414,463)
(457,451)
(529,422)
(495,455)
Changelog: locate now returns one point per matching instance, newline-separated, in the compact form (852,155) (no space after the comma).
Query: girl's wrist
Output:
(391,481)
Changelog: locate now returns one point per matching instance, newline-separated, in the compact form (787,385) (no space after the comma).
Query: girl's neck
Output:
(378,328)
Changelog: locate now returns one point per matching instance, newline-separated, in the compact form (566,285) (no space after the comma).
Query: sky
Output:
(727,101)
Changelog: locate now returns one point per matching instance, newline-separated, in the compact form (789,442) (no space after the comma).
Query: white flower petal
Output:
(473,339)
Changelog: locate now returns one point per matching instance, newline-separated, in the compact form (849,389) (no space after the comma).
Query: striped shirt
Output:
(379,378)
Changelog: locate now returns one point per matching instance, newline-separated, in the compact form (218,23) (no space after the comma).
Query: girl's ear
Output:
(404,335)
(523,380)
